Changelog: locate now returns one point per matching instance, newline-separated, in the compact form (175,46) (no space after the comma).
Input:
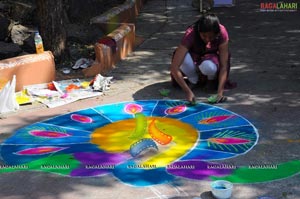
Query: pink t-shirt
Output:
(198,51)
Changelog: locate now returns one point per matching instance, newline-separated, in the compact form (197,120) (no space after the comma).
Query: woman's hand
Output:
(177,74)
(190,97)
(214,99)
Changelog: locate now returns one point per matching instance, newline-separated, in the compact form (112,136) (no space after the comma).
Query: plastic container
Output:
(221,189)
(38,41)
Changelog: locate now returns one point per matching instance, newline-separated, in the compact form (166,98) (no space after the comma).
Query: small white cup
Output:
(221,189)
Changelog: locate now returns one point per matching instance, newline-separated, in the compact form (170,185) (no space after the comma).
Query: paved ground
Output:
(266,64)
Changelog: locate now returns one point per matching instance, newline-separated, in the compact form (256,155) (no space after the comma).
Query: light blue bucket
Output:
(221,189)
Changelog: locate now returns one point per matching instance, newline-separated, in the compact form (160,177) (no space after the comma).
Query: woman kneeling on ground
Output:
(202,57)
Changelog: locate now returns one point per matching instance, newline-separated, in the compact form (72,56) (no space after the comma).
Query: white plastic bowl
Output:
(221,189)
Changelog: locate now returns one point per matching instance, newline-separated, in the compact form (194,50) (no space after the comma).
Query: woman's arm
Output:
(224,53)
(176,73)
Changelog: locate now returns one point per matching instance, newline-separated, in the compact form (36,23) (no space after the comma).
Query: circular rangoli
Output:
(140,143)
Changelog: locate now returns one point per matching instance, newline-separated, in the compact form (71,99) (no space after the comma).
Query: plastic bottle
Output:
(38,41)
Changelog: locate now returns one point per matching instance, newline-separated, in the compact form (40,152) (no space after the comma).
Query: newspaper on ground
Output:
(62,92)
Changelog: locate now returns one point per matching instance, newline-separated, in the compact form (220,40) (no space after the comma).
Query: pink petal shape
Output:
(81,118)
(40,150)
(133,108)
(215,119)
(176,110)
(231,140)
(48,134)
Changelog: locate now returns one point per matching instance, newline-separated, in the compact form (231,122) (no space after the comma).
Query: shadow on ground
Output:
(153,92)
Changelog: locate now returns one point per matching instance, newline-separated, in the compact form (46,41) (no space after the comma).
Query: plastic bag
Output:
(8,100)
(101,83)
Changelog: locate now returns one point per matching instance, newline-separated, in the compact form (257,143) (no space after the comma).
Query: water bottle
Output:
(38,43)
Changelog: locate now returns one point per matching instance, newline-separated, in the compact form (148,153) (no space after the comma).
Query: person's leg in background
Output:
(188,70)
(209,69)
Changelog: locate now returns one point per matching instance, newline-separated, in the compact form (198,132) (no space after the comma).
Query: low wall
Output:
(118,24)
(108,55)
(125,13)
(29,69)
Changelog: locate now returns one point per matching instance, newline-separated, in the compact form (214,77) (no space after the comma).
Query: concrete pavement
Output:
(266,65)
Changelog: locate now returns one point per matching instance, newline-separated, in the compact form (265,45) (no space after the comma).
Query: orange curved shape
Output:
(158,135)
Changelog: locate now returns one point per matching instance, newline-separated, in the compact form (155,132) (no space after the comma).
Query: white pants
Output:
(207,68)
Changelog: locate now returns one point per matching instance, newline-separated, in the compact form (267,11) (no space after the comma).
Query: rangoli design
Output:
(140,143)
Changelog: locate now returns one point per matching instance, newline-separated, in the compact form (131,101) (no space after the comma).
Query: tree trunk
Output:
(52,26)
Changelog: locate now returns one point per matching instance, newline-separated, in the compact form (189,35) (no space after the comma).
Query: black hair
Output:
(208,23)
